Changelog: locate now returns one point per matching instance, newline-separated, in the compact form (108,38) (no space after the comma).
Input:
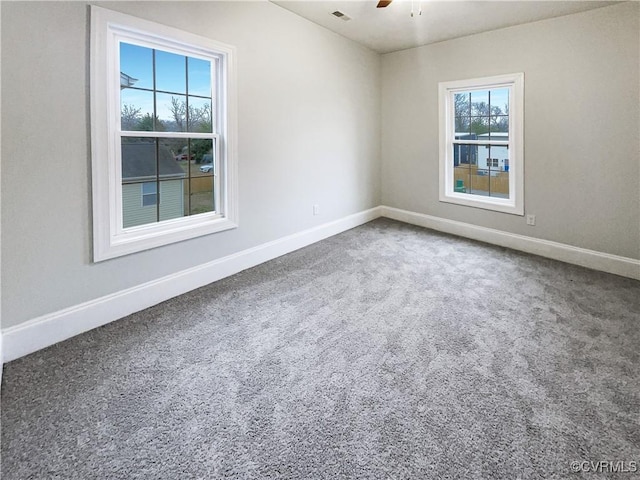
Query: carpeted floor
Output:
(386,352)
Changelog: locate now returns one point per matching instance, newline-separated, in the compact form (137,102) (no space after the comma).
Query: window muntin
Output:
(481,161)
(163,106)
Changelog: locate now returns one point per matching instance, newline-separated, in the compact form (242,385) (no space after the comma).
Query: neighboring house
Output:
(497,158)
(140,185)
(465,154)
(126,81)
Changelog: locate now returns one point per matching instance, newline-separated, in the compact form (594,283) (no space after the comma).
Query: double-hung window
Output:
(481,143)
(163,135)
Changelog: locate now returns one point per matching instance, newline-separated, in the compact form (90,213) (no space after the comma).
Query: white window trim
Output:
(515,203)
(110,240)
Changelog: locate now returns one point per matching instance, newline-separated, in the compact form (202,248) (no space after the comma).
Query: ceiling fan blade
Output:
(384,3)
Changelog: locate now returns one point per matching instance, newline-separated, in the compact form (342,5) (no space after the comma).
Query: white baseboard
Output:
(55,327)
(623,266)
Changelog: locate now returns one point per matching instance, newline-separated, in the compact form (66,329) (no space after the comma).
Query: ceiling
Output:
(392,28)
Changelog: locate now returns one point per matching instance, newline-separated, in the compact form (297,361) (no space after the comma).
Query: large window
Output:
(481,143)
(163,135)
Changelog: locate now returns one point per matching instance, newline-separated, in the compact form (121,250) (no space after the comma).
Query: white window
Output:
(481,143)
(149,194)
(162,106)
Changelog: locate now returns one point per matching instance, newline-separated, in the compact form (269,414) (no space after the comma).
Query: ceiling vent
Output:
(341,15)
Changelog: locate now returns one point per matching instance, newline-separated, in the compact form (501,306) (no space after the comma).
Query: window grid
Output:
(187,182)
(478,120)
(481,152)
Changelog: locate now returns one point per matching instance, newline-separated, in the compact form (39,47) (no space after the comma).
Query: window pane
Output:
(177,149)
(500,184)
(484,156)
(138,208)
(138,159)
(500,101)
(490,177)
(141,159)
(202,152)
(462,128)
(479,182)
(499,127)
(136,110)
(499,155)
(199,115)
(480,103)
(479,170)
(171,72)
(186,157)
(465,154)
(207,166)
(199,77)
(168,166)
(136,66)
(500,174)
(172,112)
(201,195)
(461,178)
(172,198)
(480,126)
(462,104)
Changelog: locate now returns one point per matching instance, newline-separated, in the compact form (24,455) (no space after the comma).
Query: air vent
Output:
(341,15)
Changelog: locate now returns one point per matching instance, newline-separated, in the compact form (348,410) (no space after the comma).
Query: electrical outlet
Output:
(531,219)
(316,209)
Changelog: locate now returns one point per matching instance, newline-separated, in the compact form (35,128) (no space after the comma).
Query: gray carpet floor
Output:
(385,352)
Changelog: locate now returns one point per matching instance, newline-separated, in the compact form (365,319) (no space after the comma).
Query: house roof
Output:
(126,80)
(494,134)
(139,162)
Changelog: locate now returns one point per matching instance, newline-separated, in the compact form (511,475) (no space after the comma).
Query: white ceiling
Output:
(392,28)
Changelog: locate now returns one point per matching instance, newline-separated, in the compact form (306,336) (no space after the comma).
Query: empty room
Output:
(320,239)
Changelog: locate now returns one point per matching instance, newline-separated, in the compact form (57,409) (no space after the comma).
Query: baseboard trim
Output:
(623,266)
(55,327)
(47,330)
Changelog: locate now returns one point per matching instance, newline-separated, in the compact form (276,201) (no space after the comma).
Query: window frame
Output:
(515,83)
(110,239)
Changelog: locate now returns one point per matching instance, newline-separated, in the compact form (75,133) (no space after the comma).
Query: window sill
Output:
(137,239)
(487,203)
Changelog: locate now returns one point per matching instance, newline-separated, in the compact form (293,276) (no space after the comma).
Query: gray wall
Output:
(582,146)
(309,133)
(310,109)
